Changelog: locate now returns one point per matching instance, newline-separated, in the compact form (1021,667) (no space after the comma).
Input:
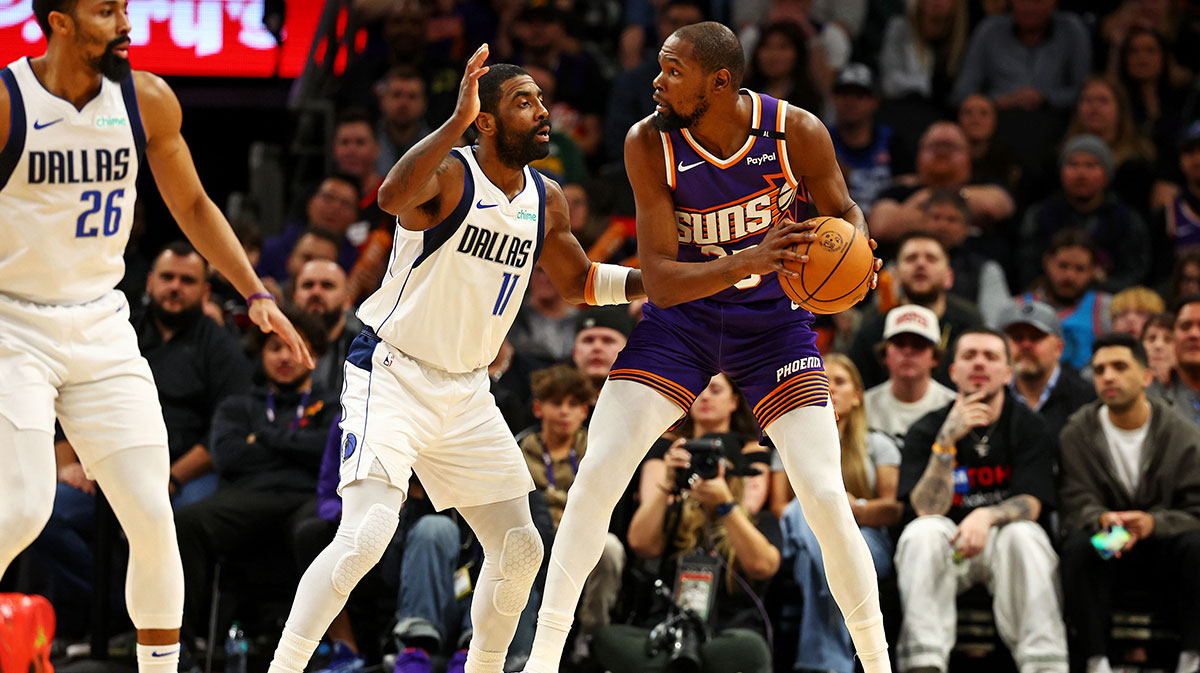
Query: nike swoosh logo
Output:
(165,654)
(481,204)
(38,126)
(681,168)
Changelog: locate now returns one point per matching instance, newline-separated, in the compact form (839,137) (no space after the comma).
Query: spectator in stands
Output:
(923,274)
(564,163)
(923,49)
(991,160)
(333,207)
(321,292)
(509,374)
(402,108)
(1185,278)
(355,153)
(711,520)
(779,66)
(911,349)
(541,39)
(562,400)
(266,448)
(1158,338)
(1118,232)
(828,38)
(545,326)
(1032,58)
(1040,380)
(978,475)
(1183,388)
(871,469)
(1176,230)
(600,333)
(978,278)
(865,149)
(1132,307)
(1103,112)
(630,99)
(196,365)
(943,161)
(1132,462)
(1143,68)
(1068,271)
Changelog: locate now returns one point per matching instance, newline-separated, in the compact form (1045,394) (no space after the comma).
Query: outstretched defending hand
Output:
(266,314)
(467,108)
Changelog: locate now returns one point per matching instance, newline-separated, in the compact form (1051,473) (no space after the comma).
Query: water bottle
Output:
(236,648)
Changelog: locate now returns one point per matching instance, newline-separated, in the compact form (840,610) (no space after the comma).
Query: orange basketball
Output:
(838,273)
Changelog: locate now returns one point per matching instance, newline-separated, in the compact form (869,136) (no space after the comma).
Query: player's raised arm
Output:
(414,180)
(577,278)
(198,217)
(668,281)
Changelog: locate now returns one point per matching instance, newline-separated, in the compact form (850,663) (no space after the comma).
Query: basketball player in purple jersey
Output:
(720,175)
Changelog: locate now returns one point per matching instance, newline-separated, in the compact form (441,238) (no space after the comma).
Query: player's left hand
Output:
(266,314)
(878,263)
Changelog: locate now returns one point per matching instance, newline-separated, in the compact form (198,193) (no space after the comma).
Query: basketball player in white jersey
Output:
(472,223)
(75,125)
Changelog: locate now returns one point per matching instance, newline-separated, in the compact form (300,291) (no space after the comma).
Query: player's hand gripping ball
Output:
(839,268)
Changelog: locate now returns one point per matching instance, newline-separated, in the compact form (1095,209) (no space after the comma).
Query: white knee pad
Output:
(520,559)
(370,540)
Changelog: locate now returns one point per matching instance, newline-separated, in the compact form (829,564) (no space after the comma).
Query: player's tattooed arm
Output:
(934,492)
(1022,507)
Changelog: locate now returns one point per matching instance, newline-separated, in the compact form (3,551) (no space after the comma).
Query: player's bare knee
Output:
(366,548)
(519,562)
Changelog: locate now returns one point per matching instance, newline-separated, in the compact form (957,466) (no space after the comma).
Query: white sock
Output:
(483,661)
(158,658)
(552,632)
(293,653)
(1099,664)
(1189,662)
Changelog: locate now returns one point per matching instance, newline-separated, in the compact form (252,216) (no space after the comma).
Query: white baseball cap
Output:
(913,319)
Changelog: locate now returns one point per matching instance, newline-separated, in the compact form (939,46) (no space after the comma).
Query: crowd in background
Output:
(1031,171)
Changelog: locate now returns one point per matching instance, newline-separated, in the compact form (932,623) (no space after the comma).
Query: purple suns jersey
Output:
(723,207)
(751,331)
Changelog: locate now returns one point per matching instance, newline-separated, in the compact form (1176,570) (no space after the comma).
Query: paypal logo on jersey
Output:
(760,160)
(495,247)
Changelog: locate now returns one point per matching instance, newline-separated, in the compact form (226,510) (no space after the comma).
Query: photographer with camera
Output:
(715,556)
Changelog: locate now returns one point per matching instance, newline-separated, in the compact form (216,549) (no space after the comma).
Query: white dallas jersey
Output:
(68,182)
(451,292)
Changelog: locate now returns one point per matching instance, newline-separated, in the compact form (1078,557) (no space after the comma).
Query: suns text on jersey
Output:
(727,223)
(494,246)
(82,166)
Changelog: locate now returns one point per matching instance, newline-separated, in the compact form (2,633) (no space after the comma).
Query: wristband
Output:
(938,448)
(605,284)
(725,508)
(259,295)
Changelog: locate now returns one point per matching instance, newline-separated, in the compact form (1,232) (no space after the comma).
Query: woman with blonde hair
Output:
(1132,307)
(871,472)
(923,49)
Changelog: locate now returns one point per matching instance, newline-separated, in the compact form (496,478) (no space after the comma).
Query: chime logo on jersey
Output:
(495,247)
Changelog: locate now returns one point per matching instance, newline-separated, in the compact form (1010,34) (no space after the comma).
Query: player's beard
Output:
(673,121)
(523,149)
(110,65)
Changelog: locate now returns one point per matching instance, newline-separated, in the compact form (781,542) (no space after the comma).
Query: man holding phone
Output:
(978,475)
(1134,463)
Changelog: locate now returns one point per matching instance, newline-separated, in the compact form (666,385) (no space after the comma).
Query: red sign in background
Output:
(221,38)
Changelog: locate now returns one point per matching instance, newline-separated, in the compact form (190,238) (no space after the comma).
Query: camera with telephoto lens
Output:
(680,636)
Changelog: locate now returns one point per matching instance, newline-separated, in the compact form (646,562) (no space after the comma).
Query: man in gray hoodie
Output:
(1132,462)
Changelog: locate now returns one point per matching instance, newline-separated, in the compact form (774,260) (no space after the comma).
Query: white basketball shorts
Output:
(81,363)
(413,417)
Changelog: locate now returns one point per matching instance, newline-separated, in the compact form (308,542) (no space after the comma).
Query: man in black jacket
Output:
(266,448)
(978,474)
(1046,385)
(1134,463)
